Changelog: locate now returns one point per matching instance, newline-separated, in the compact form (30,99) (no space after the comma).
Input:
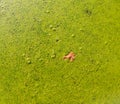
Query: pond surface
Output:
(35,35)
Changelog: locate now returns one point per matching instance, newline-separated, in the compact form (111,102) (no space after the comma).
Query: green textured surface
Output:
(36,34)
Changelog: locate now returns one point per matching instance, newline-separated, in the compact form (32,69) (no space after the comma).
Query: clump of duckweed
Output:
(28,60)
(106,42)
(73,35)
(40,59)
(23,55)
(47,11)
(54,29)
(80,48)
(51,26)
(49,34)
(53,55)
(81,29)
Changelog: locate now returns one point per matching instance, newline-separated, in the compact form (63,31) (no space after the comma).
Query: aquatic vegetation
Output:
(36,34)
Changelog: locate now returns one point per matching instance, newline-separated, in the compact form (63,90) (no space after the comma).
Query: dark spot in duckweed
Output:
(57,40)
(88,12)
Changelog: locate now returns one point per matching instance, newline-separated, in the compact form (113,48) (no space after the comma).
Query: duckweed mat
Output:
(35,35)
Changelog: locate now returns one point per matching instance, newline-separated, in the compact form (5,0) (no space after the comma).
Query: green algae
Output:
(36,34)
